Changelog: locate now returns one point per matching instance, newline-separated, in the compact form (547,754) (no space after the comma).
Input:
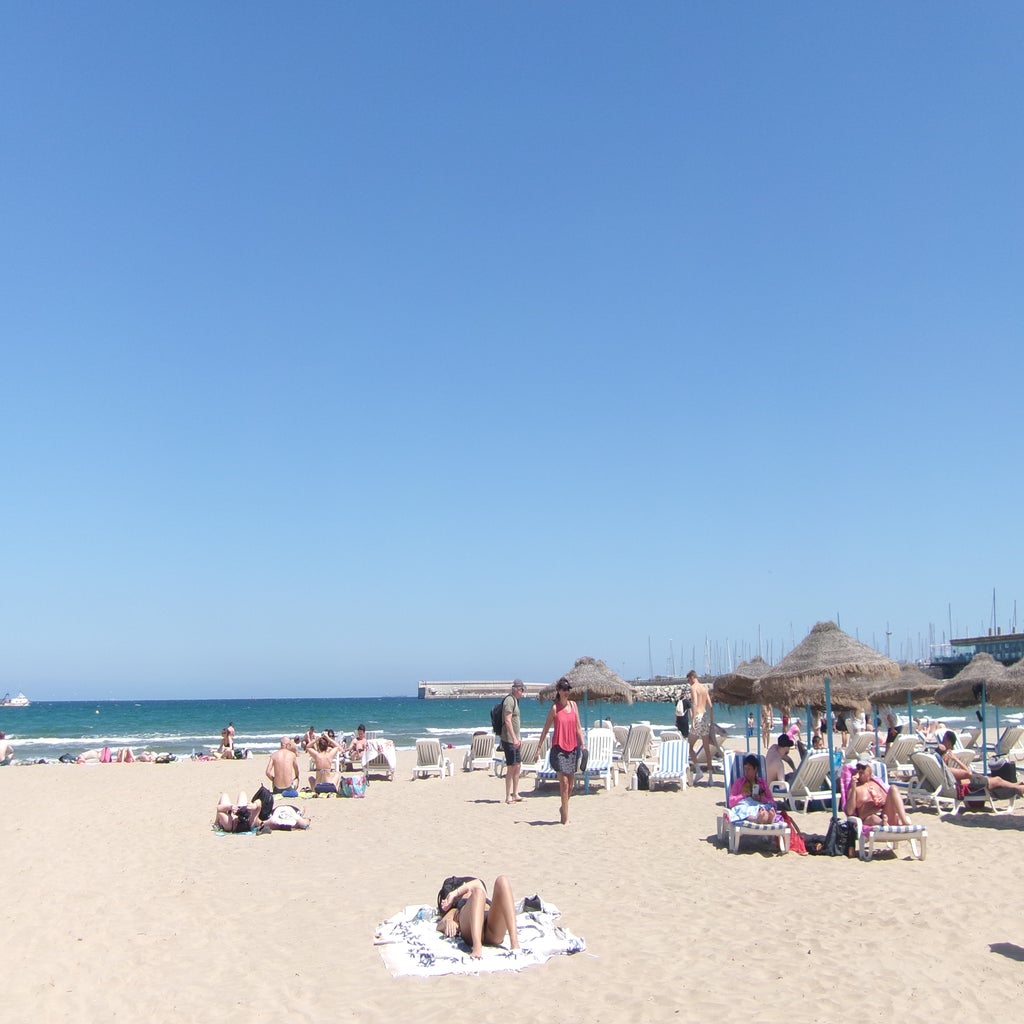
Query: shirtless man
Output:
(701,724)
(357,748)
(777,765)
(283,767)
(869,801)
(323,753)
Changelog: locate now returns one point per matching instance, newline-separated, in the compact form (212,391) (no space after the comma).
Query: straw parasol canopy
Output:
(1009,692)
(964,689)
(852,667)
(592,678)
(912,684)
(733,688)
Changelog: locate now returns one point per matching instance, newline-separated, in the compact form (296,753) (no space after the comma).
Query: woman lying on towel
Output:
(465,910)
(963,774)
(750,798)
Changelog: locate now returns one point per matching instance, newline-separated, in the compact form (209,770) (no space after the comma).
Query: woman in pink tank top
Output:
(567,742)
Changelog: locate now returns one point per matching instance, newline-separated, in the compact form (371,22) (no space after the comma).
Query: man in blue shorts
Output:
(511,741)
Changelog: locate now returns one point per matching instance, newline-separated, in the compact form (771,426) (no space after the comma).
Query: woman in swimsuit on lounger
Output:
(465,910)
(870,801)
(750,798)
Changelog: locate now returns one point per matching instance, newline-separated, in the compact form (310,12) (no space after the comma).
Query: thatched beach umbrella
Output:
(827,667)
(734,688)
(980,682)
(912,684)
(591,677)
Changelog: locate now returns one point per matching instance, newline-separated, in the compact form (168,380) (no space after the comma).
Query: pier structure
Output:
(464,689)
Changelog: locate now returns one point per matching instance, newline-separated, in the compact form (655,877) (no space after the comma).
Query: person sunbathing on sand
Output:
(241,817)
(465,910)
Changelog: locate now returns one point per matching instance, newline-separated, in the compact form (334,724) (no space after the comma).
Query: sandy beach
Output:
(122,903)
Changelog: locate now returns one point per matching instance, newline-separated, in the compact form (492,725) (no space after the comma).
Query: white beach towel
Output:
(410,944)
(381,748)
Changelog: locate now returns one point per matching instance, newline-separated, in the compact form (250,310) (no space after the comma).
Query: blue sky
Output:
(347,345)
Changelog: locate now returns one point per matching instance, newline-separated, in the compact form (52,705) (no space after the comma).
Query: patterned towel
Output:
(411,944)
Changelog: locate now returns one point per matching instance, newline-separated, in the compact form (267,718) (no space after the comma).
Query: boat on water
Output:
(19,700)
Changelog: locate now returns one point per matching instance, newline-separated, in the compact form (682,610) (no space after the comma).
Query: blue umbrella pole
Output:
(586,719)
(831,759)
(984,733)
(910,716)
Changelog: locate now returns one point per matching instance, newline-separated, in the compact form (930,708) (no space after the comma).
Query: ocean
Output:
(47,729)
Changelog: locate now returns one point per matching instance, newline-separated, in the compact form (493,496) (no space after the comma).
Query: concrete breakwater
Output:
(493,689)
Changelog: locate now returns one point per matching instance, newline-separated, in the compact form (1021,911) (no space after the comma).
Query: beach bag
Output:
(840,840)
(1005,770)
(353,785)
(643,776)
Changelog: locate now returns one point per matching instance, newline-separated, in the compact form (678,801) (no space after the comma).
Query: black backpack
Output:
(498,717)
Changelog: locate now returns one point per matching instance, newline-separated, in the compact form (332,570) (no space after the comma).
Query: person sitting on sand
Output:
(283,767)
(226,750)
(465,910)
(6,750)
(872,801)
(961,771)
(323,753)
(750,798)
(241,817)
(777,764)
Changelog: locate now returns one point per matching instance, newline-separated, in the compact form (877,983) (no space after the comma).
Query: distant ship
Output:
(17,701)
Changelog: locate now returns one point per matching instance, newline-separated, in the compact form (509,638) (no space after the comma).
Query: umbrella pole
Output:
(874,712)
(810,730)
(586,719)
(746,724)
(984,733)
(831,762)
(910,716)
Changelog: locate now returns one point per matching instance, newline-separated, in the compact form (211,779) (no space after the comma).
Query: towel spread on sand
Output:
(411,944)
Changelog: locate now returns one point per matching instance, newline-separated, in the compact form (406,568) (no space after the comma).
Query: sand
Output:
(121,903)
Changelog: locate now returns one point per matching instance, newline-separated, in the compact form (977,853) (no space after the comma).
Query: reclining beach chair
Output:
(621,734)
(637,748)
(935,785)
(890,835)
(531,756)
(730,833)
(897,758)
(811,781)
(673,763)
(381,759)
(480,755)
(430,760)
(859,743)
(1011,743)
(600,766)
(732,768)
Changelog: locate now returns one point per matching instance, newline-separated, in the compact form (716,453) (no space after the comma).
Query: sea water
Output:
(47,729)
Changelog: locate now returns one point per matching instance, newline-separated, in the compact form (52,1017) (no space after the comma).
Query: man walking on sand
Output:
(702,724)
(512,742)
(283,767)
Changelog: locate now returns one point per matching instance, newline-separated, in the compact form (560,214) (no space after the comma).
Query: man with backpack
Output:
(512,742)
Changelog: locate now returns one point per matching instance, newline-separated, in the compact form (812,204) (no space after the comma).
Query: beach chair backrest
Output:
(669,734)
(899,751)
(638,743)
(674,756)
(530,752)
(483,746)
(732,767)
(1011,740)
(599,745)
(428,752)
(621,733)
(933,773)
(811,773)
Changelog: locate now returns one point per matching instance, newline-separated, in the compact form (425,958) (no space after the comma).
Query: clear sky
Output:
(346,345)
